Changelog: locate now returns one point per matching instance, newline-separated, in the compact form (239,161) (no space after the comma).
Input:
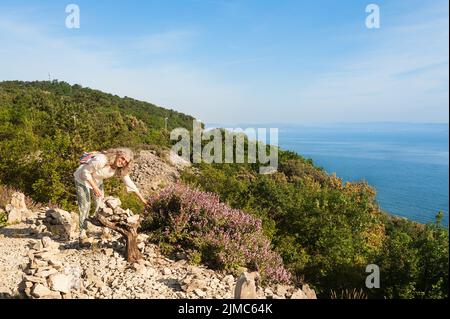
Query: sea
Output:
(407,164)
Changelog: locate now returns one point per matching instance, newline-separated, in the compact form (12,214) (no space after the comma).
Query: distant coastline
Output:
(407,163)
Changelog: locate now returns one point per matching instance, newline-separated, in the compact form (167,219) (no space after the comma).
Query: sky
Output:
(229,61)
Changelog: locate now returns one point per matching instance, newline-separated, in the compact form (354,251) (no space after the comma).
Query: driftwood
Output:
(129,231)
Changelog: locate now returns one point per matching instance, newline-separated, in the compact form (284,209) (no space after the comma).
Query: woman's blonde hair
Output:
(112,153)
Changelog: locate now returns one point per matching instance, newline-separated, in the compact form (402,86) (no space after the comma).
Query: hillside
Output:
(326,231)
(40,258)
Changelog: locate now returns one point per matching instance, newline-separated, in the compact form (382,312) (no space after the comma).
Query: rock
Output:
(5,292)
(28,216)
(229,279)
(17,209)
(189,284)
(74,273)
(47,242)
(133,219)
(38,245)
(141,238)
(166,271)
(37,263)
(260,293)
(93,230)
(268,292)
(281,290)
(200,292)
(45,272)
(194,270)
(246,286)
(14,216)
(62,223)
(18,201)
(41,228)
(41,291)
(55,262)
(108,251)
(180,295)
(181,256)
(60,282)
(141,246)
(299,294)
(9,208)
(37,280)
(113,202)
(139,268)
(106,234)
(128,212)
(44,254)
(108,211)
(310,293)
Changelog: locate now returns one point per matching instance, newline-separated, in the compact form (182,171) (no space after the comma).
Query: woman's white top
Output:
(98,169)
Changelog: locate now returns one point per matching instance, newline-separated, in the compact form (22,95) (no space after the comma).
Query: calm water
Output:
(408,164)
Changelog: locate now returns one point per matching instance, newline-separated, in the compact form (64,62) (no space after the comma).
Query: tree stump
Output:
(129,231)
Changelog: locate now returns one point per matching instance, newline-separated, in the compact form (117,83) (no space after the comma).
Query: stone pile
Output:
(54,222)
(45,276)
(112,211)
(17,210)
(61,223)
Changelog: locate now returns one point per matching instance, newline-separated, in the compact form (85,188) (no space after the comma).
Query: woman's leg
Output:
(98,200)
(84,204)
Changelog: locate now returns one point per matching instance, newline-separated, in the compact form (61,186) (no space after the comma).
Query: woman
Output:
(90,175)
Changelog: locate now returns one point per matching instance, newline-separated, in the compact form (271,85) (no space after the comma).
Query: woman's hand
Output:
(97,192)
(143,200)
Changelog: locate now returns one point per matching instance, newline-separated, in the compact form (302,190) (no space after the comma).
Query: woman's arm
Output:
(95,188)
(89,168)
(143,200)
(131,187)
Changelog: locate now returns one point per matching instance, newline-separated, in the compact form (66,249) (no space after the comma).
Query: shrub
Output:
(3,219)
(225,238)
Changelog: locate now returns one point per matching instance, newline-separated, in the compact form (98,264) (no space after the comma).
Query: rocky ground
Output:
(14,242)
(151,172)
(41,258)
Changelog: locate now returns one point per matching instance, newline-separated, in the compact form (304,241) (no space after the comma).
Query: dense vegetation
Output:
(45,126)
(326,231)
(212,233)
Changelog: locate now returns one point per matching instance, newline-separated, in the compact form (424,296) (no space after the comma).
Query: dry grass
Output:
(5,198)
(348,294)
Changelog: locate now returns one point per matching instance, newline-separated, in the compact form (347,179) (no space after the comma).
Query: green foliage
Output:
(328,232)
(46,126)
(3,219)
(415,257)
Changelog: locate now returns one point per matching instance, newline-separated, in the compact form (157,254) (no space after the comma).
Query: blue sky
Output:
(242,61)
